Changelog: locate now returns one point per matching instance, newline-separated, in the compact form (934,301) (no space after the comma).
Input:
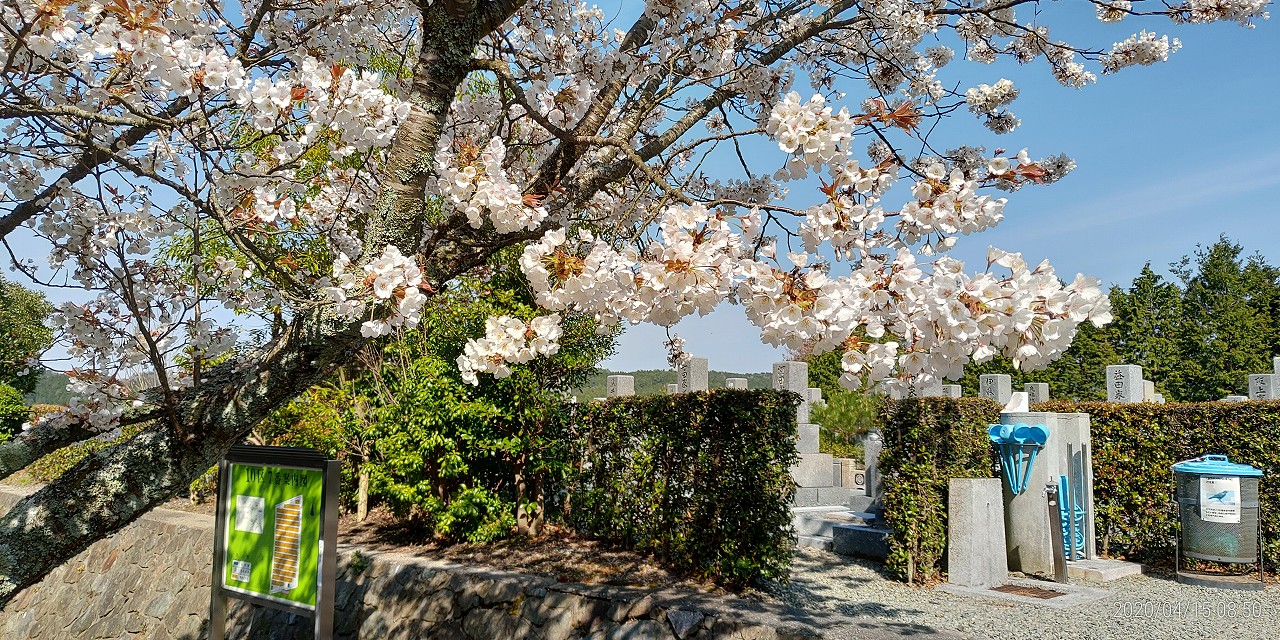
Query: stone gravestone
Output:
(814,473)
(1148,391)
(617,386)
(951,391)
(735,383)
(1036,392)
(794,377)
(1124,383)
(1275,365)
(1264,386)
(1235,398)
(813,395)
(1159,398)
(691,375)
(926,389)
(995,386)
(975,533)
(673,389)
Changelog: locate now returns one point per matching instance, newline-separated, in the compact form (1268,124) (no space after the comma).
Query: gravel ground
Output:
(1151,607)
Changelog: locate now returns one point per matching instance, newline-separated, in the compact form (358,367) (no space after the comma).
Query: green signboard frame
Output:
(275,536)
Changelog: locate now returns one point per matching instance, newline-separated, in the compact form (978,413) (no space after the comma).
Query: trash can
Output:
(1218,511)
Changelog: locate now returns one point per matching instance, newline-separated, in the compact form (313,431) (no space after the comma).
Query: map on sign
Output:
(273,532)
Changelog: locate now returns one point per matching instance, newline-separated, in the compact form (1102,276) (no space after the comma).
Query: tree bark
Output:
(529,521)
(29,446)
(362,491)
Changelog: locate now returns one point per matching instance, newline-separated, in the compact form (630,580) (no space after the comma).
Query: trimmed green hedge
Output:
(1134,446)
(928,441)
(702,480)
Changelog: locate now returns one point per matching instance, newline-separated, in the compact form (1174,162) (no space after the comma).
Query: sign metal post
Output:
(276,534)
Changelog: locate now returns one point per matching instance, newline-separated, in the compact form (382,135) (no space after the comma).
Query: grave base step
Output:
(861,541)
(843,497)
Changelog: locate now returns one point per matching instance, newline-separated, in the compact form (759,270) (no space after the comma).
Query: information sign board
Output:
(275,538)
(273,532)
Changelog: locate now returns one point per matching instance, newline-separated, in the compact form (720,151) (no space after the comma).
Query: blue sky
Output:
(1168,157)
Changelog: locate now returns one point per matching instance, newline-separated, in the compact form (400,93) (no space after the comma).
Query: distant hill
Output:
(51,388)
(654,381)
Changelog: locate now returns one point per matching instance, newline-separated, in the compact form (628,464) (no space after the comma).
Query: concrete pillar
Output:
(872,445)
(975,533)
(1029,542)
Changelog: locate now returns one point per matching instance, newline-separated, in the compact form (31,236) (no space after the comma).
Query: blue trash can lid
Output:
(1215,465)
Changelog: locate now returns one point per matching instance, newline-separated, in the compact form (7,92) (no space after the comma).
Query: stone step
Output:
(1103,570)
(861,541)
(813,525)
(822,543)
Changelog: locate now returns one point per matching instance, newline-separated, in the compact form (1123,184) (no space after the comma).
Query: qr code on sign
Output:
(240,570)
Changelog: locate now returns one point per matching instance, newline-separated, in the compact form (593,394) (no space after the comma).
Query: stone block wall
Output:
(151,581)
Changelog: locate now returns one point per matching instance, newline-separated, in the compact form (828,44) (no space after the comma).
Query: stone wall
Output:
(151,580)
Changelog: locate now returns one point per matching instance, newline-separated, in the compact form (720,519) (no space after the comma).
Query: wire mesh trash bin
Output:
(1219,516)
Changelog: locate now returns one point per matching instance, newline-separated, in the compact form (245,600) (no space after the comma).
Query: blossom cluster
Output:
(688,268)
(480,185)
(990,100)
(508,341)
(809,130)
(337,100)
(1143,48)
(392,280)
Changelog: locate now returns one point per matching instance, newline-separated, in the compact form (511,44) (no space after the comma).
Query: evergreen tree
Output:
(1146,327)
(1223,336)
(23,334)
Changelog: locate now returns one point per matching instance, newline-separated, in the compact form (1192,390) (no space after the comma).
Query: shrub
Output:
(13,411)
(702,480)
(1134,446)
(928,441)
(846,418)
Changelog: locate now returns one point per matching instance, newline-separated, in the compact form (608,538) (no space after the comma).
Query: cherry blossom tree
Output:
(331,165)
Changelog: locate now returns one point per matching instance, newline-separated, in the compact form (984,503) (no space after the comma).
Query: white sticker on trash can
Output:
(1220,500)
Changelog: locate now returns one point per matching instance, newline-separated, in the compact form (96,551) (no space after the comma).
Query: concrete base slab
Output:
(814,525)
(1100,570)
(1072,595)
(822,543)
(1220,581)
